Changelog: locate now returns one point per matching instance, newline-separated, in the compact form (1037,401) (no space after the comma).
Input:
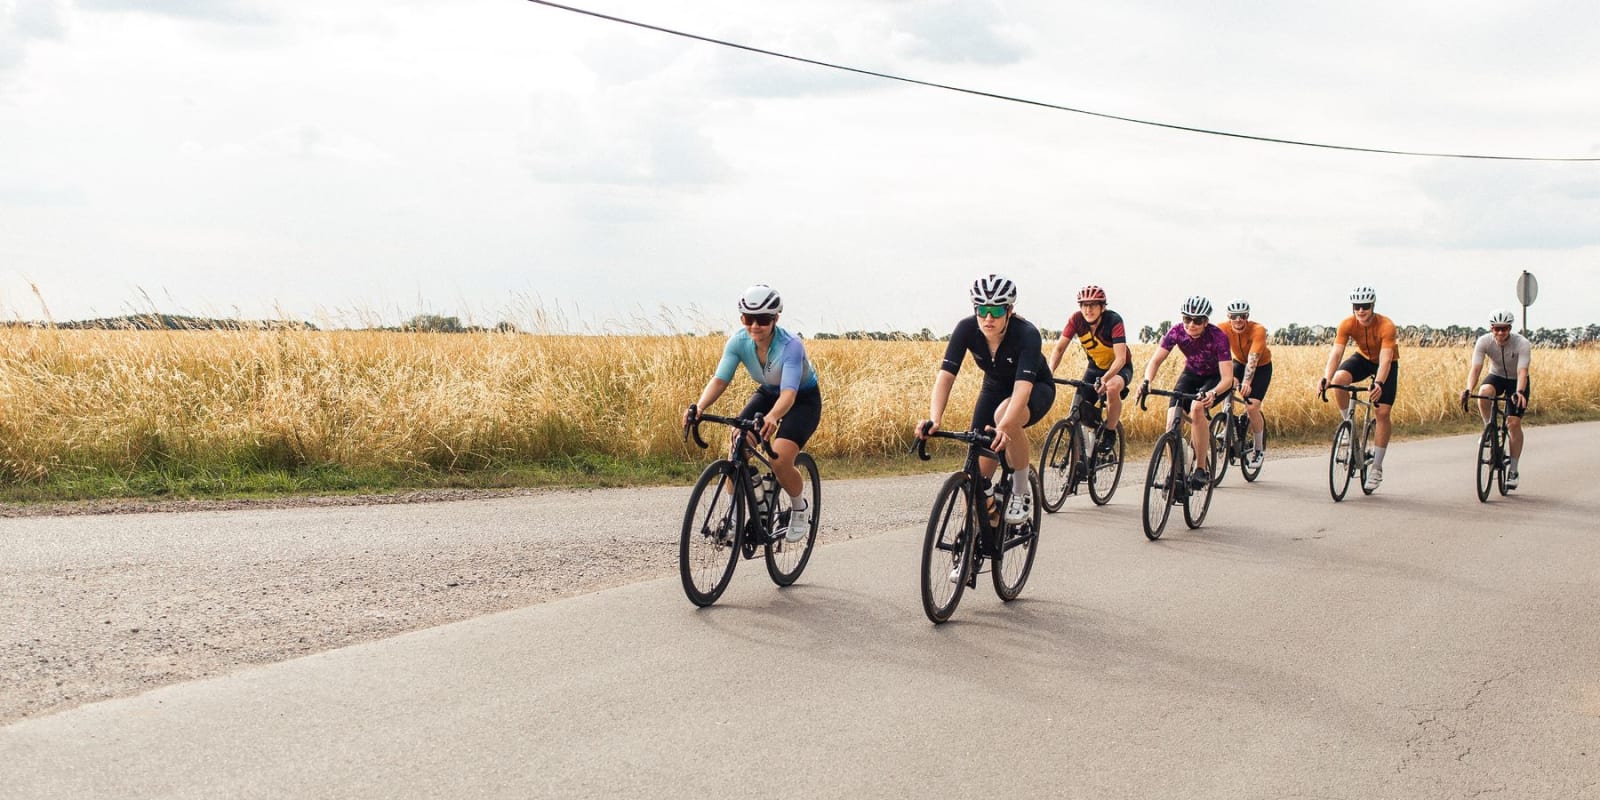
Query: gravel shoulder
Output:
(116,598)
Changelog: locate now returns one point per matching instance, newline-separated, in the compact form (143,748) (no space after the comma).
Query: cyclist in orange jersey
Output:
(1252,369)
(1378,357)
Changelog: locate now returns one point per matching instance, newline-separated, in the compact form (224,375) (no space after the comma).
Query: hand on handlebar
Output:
(925,429)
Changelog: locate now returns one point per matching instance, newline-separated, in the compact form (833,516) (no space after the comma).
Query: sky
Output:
(361,162)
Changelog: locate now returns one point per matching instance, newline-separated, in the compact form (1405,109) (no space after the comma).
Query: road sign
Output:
(1527,289)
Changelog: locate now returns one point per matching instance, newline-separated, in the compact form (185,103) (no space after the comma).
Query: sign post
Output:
(1527,292)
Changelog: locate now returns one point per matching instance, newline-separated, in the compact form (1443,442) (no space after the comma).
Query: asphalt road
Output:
(1411,644)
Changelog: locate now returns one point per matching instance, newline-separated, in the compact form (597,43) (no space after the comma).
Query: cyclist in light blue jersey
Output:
(786,391)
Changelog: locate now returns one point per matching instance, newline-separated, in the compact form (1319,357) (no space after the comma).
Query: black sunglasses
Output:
(1188,320)
(1361,306)
(758,319)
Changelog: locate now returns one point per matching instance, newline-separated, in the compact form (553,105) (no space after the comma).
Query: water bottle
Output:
(769,484)
(991,506)
(758,490)
(1088,441)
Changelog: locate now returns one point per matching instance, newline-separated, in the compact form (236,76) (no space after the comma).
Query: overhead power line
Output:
(1042,104)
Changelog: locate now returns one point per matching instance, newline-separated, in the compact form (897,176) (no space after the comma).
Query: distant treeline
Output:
(169,322)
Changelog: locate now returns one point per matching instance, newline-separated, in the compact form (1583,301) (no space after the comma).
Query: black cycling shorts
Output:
(1361,369)
(1192,383)
(991,396)
(802,419)
(1258,382)
(1505,387)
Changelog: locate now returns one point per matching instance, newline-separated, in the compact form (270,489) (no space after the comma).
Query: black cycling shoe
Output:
(1108,442)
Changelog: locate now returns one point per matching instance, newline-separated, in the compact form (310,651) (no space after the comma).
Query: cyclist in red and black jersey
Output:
(1105,342)
(1017,391)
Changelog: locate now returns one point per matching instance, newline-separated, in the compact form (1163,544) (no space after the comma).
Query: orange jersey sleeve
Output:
(1370,339)
(1253,339)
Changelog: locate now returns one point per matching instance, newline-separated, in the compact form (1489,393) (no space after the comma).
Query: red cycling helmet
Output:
(1091,294)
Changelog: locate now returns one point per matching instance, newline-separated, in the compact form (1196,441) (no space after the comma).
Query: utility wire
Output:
(1042,104)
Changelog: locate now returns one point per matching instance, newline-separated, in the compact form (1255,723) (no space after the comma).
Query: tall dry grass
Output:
(124,401)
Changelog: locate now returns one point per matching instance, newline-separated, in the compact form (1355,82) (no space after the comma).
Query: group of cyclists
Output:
(1018,389)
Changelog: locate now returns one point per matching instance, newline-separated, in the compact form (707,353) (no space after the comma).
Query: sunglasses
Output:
(758,319)
(1092,304)
(1361,306)
(993,312)
(1500,328)
(1238,316)
(1188,320)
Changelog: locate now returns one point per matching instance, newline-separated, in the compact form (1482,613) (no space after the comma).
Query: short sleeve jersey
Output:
(1098,339)
(787,366)
(1504,360)
(1202,355)
(1370,338)
(1253,339)
(1020,356)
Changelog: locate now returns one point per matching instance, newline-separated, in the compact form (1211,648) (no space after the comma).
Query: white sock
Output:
(1514,464)
(1377,456)
(797,502)
(1019,481)
(1261,440)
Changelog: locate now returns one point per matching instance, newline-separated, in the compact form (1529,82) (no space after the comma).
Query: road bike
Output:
(1070,456)
(1493,452)
(1352,437)
(1166,482)
(967,527)
(737,507)
(1235,443)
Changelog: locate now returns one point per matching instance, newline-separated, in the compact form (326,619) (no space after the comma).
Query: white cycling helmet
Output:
(1239,305)
(994,290)
(1363,294)
(760,299)
(1196,306)
(1501,316)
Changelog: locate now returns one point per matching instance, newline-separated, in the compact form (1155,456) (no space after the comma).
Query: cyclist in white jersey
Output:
(1508,355)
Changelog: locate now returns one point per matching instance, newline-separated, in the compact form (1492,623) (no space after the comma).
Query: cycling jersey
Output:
(1504,360)
(1098,339)
(787,366)
(1202,355)
(1370,338)
(1253,339)
(1020,356)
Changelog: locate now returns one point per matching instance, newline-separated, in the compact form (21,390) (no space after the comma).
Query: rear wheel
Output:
(947,548)
(1249,473)
(786,559)
(1340,463)
(1160,485)
(1011,568)
(1198,501)
(1366,455)
(1055,465)
(1107,471)
(709,545)
(1221,447)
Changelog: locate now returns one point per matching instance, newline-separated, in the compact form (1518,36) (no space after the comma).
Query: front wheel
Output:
(712,528)
(1341,462)
(1106,470)
(947,548)
(1501,451)
(1221,447)
(1251,473)
(1020,544)
(1055,465)
(1488,460)
(1161,485)
(786,559)
(1366,454)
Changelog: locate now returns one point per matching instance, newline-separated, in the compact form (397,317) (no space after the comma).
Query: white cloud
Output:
(1505,206)
(961,31)
(623,137)
(227,12)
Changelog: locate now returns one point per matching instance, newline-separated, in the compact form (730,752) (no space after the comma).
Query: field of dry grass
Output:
(101,402)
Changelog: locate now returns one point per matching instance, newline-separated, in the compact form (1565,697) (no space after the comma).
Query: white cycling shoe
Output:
(799,524)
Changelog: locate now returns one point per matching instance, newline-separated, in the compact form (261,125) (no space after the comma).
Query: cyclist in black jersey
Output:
(1017,391)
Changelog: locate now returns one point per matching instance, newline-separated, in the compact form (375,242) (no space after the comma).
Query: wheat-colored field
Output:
(119,401)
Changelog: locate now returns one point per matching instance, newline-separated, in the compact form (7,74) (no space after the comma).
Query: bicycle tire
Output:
(1010,569)
(1249,474)
(945,548)
(1366,461)
(1107,471)
(1055,465)
(713,531)
(1221,441)
(1501,457)
(1159,486)
(1341,463)
(786,559)
(1197,502)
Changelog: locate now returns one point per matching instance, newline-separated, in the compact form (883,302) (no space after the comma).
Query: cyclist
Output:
(1377,356)
(1105,342)
(786,392)
(1017,391)
(1508,355)
(1207,367)
(1252,369)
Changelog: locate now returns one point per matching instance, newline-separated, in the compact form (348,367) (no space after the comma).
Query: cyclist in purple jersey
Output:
(786,392)
(1207,367)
